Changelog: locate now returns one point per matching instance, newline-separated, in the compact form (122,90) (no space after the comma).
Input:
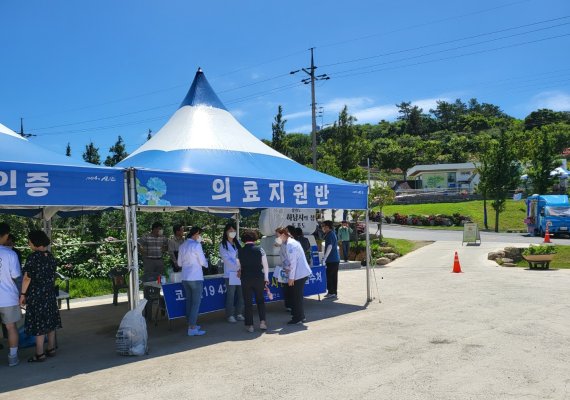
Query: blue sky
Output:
(81,71)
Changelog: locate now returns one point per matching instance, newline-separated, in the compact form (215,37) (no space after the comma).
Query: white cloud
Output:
(376,114)
(334,106)
(237,113)
(300,129)
(554,100)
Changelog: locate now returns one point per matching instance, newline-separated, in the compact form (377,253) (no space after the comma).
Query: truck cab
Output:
(553,210)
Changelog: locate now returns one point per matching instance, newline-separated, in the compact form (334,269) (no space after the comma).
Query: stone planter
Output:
(540,261)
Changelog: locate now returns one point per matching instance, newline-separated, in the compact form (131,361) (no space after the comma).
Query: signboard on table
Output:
(471,233)
(214,293)
(273,218)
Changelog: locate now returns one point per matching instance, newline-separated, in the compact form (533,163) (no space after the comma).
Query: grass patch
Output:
(83,287)
(561,259)
(402,246)
(510,219)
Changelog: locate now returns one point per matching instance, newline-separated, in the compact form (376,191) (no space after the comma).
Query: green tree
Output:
(380,195)
(68,150)
(91,154)
(298,148)
(346,147)
(541,159)
(117,153)
(501,172)
(544,116)
(278,128)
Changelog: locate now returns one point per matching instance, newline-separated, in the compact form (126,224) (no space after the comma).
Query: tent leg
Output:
(368,259)
(126,210)
(367,230)
(132,242)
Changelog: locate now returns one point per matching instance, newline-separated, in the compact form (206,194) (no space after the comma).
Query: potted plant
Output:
(539,255)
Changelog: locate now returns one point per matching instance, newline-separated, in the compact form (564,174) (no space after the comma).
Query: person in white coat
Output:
(192,259)
(229,254)
(298,270)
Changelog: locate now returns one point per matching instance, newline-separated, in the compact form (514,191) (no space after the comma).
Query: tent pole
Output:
(128,233)
(368,257)
(134,276)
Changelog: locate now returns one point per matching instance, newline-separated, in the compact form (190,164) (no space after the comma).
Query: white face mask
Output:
(199,239)
(232,235)
(160,232)
(278,240)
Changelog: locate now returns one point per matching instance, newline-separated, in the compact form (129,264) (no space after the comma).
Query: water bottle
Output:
(315,255)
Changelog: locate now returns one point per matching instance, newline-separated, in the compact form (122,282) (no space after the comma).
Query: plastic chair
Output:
(62,294)
(120,280)
(152,295)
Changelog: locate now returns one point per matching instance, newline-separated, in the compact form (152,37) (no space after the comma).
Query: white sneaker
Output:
(196,332)
(263,326)
(13,360)
(240,317)
(232,319)
(250,329)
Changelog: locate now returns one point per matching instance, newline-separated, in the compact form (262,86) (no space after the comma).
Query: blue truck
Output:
(553,210)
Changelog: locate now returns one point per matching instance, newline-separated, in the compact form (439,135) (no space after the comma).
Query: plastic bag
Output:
(132,337)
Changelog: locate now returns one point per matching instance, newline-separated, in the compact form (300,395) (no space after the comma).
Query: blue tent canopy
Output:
(204,157)
(32,177)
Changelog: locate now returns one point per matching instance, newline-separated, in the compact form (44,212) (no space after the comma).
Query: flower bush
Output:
(539,250)
(428,220)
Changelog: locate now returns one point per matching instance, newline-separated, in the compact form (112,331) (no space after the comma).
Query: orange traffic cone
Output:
(547,235)
(456,265)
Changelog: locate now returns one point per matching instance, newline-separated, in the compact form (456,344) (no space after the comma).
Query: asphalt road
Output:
(411,233)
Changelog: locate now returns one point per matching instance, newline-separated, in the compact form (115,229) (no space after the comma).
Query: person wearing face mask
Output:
(192,259)
(228,253)
(174,244)
(332,259)
(285,289)
(152,247)
(254,274)
(298,270)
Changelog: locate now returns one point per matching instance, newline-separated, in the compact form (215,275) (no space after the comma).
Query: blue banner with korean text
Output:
(176,189)
(214,293)
(24,184)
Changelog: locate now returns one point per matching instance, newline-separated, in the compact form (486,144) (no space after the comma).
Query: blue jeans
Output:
(234,306)
(345,249)
(193,291)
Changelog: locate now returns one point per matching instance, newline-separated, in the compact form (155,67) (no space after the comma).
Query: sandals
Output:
(37,358)
(50,352)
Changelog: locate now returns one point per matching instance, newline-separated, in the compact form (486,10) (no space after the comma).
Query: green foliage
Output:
(117,153)
(499,172)
(538,250)
(88,287)
(541,158)
(278,128)
(512,217)
(91,154)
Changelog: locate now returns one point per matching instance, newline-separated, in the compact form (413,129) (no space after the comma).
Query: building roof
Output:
(416,169)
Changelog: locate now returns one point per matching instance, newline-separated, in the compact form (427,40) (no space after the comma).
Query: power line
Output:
(453,48)
(144,94)
(423,24)
(346,74)
(449,41)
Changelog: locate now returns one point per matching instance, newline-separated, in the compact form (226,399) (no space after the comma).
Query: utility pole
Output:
(22,134)
(311,79)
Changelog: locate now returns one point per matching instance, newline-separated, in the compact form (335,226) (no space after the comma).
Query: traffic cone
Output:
(547,236)
(456,265)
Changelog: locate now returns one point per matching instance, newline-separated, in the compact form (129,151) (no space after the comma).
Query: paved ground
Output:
(411,233)
(488,333)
